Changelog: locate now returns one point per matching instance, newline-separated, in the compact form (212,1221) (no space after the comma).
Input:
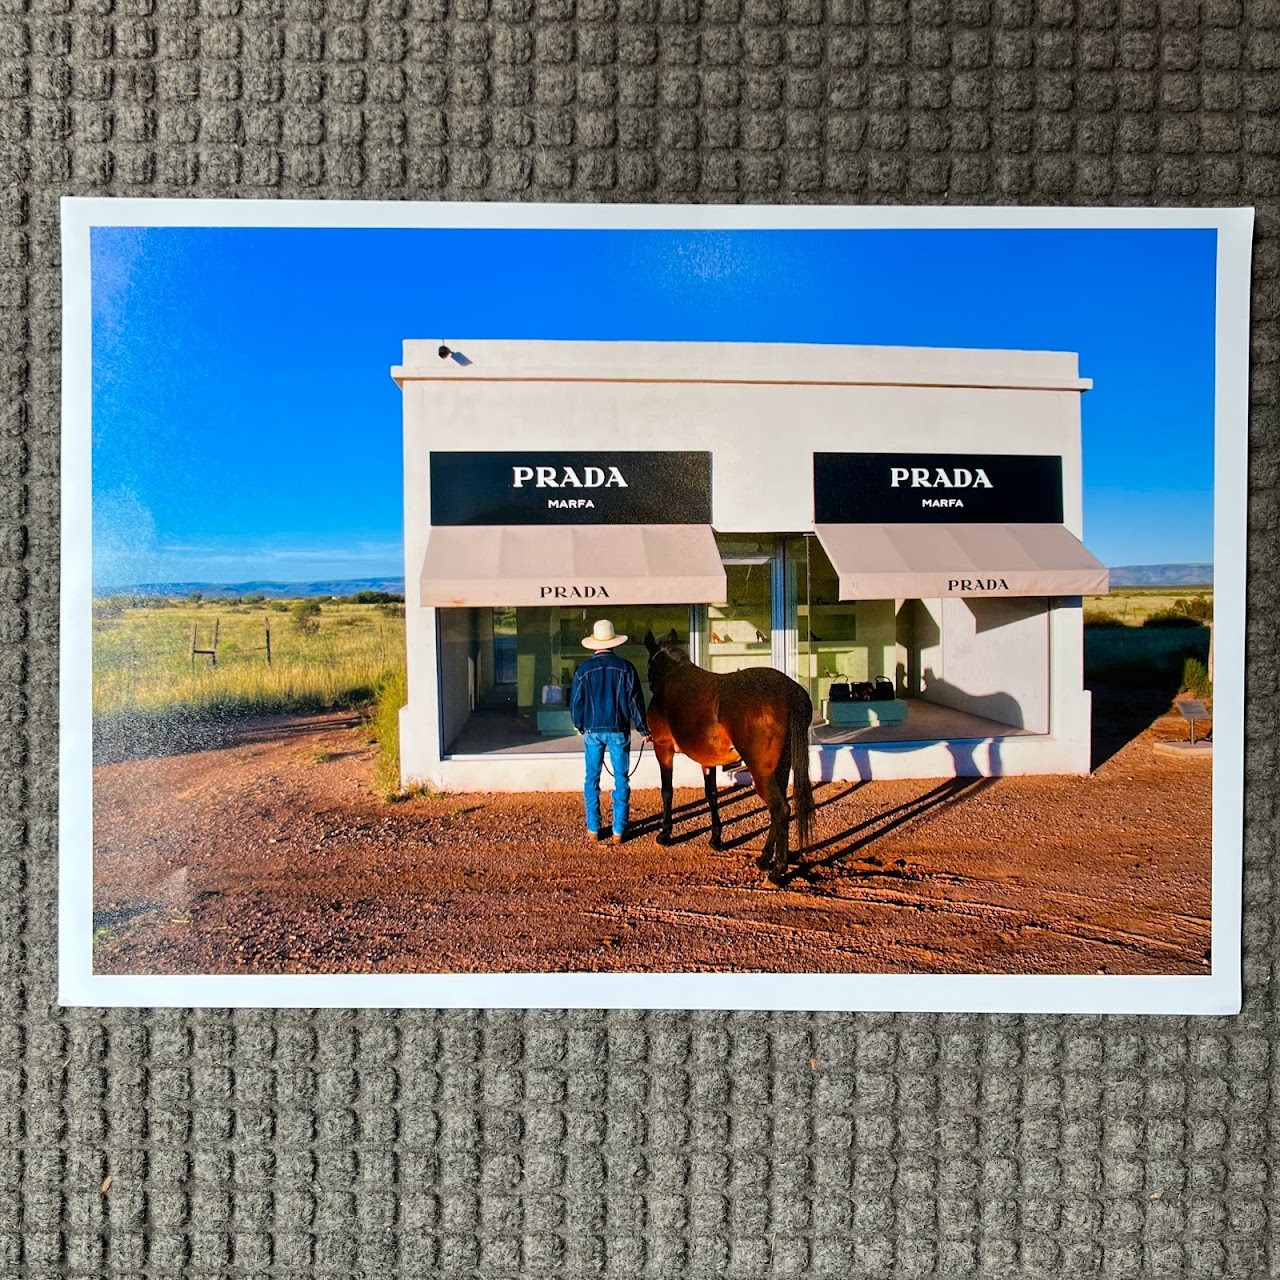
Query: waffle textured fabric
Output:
(586,1144)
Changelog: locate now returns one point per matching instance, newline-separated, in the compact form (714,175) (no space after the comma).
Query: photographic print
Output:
(489,605)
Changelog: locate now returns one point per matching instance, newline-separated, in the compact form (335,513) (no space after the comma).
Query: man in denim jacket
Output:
(606,702)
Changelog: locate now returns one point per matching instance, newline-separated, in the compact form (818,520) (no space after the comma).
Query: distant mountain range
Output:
(274,590)
(1162,575)
(1129,575)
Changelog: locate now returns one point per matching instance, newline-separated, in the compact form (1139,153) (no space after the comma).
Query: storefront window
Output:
(838,640)
(506,673)
(571,625)
(739,631)
(965,667)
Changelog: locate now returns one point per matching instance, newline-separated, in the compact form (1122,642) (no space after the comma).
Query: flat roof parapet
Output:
(740,362)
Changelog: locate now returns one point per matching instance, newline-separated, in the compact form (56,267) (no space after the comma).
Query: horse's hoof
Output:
(662,838)
(764,861)
(716,843)
(776,877)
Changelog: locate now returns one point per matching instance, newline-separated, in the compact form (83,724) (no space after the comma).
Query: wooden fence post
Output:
(212,653)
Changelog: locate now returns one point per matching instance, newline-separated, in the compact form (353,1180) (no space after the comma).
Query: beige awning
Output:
(503,565)
(923,561)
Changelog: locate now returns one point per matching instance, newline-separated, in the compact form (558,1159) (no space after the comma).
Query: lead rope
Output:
(630,772)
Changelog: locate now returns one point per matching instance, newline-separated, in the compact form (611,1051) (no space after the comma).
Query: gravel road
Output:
(271,855)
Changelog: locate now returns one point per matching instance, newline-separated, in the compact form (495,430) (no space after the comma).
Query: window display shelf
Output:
(863,715)
(555,722)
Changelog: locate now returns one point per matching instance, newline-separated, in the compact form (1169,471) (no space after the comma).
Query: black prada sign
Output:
(614,487)
(946,488)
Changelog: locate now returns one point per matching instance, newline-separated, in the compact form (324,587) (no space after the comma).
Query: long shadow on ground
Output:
(1120,715)
(134,736)
(862,834)
(697,809)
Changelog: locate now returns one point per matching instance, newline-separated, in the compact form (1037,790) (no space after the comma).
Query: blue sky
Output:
(245,425)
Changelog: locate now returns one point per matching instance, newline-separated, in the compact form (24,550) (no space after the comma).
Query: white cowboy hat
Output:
(603,637)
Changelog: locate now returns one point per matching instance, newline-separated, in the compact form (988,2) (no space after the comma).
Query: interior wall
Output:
(457,671)
(483,633)
(987,657)
(906,665)
(536,634)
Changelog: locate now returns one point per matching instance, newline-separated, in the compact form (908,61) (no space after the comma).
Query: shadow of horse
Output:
(694,809)
(865,833)
(738,795)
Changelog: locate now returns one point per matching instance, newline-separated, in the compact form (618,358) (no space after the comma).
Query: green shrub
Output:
(371,597)
(1101,618)
(1195,679)
(305,616)
(1198,607)
(390,694)
(1170,618)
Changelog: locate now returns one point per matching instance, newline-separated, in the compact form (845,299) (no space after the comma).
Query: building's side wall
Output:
(987,657)
(420,746)
(1070,703)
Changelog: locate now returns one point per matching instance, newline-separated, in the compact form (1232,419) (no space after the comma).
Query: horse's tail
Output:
(800,716)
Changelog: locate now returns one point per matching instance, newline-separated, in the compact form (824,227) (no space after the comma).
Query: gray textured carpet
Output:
(621,1145)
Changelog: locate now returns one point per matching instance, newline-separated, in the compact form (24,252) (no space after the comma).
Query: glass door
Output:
(784,610)
(740,631)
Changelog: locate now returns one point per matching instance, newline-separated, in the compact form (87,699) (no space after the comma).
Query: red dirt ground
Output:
(272,856)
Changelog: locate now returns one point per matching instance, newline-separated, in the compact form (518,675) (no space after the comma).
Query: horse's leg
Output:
(713,803)
(773,858)
(666,756)
(780,826)
(765,860)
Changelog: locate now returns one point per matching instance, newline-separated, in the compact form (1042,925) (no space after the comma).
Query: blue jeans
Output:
(619,747)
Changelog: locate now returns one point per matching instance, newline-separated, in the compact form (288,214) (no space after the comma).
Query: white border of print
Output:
(1214,993)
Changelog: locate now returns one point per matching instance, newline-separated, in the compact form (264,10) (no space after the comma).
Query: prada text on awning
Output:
(506,565)
(924,561)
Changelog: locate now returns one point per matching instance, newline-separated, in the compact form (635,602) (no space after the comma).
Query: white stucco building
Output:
(906,516)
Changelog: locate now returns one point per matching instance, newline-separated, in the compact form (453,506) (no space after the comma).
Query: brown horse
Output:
(758,717)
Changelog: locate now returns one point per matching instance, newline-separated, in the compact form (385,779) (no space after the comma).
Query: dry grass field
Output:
(330,658)
(152,697)
(1134,605)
